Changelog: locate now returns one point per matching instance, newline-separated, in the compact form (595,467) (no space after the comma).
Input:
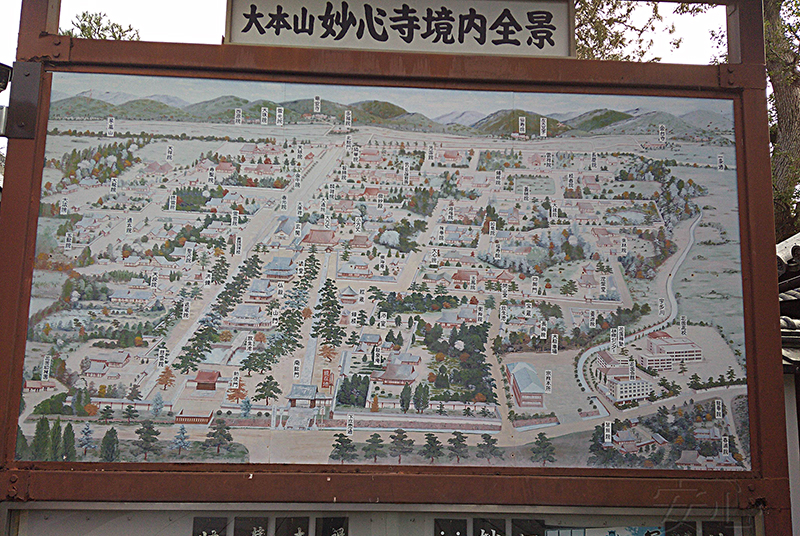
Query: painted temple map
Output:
(233,272)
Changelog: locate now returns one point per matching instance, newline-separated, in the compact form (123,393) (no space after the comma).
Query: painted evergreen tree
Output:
(86,440)
(167,378)
(54,448)
(194,353)
(458,446)
(157,405)
(374,448)
(327,315)
(219,272)
(21,450)
(488,448)
(220,435)
(267,389)
(245,407)
(405,398)
(68,453)
(543,450)
(40,446)
(105,414)
(343,449)
(130,413)
(432,448)
(148,438)
(109,446)
(400,444)
(421,397)
(353,339)
(181,440)
(134,394)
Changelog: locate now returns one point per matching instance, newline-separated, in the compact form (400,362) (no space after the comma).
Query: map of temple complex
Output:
(289,273)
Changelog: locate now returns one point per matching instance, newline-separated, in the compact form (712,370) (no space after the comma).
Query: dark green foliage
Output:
(374,448)
(458,447)
(220,435)
(353,391)
(343,449)
(400,444)
(148,438)
(488,448)
(68,452)
(432,449)
(109,446)
(40,446)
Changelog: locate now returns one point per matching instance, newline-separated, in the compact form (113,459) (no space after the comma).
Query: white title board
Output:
(480,27)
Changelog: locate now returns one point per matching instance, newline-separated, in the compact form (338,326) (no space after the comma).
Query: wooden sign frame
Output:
(765,486)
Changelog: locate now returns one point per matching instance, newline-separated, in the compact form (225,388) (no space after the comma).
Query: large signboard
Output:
(233,271)
(542,28)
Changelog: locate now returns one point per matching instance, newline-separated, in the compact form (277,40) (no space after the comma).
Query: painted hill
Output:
(110,97)
(595,119)
(506,122)
(380,109)
(648,124)
(708,120)
(80,107)
(460,118)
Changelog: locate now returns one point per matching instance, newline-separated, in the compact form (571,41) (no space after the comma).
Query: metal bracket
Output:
(24,101)
(16,485)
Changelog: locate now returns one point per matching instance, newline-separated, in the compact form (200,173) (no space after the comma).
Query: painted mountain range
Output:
(94,104)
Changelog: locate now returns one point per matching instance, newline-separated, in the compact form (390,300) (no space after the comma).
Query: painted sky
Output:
(431,103)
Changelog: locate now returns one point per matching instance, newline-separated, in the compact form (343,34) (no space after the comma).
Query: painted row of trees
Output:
(399,445)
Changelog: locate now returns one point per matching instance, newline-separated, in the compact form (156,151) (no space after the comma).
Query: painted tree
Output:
(353,339)
(327,352)
(488,448)
(245,407)
(220,435)
(374,448)
(405,398)
(433,448)
(148,438)
(219,272)
(130,413)
(327,314)
(400,444)
(458,446)
(54,447)
(157,405)
(343,449)
(166,379)
(68,452)
(198,345)
(134,394)
(267,390)
(421,397)
(86,441)
(40,446)
(109,446)
(543,450)
(235,395)
(105,414)
(181,440)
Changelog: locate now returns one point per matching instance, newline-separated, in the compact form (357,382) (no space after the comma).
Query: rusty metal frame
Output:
(765,486)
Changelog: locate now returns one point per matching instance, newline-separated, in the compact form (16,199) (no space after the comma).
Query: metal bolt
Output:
(13,478)
(21,124)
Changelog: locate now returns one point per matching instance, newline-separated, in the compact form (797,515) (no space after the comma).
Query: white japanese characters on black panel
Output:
(342,261)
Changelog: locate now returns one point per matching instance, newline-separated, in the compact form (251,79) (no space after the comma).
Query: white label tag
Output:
(543,127)
(522,125)
(317,104)
(110,126)
(264,116)
(279,116)
(237,116)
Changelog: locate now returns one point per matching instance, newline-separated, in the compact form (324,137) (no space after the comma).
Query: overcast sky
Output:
(203,21)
